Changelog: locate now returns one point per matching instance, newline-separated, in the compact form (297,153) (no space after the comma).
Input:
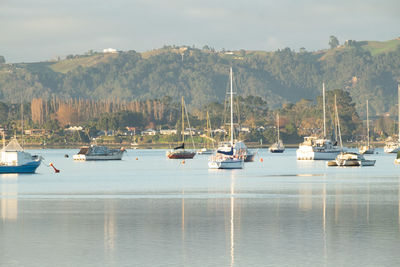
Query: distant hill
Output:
(367,69)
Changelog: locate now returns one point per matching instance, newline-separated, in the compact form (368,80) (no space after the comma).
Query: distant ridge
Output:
(367,69)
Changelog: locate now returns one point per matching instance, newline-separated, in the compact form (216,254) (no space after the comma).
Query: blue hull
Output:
(26,168)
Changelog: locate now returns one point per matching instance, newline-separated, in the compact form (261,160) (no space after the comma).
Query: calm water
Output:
(152,211)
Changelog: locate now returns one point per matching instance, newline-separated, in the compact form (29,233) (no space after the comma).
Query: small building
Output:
(74,128)
(35,132)
(168,131)
(149,132)
(110,50)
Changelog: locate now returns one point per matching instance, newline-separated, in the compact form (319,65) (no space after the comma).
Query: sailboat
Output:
(348,159)
(314,148)
(277,147)
(208,149)
(229,155)
(394,147)
(367,149)
(179,152)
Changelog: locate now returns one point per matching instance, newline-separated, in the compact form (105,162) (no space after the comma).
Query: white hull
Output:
(117,156)
(356,163)
(317,155)
(226,164)
(391,149)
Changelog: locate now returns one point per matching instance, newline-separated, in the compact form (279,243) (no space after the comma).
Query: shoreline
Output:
(250,145)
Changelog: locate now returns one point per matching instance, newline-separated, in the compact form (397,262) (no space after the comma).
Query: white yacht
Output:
(394,146)
(314,148)
(230,155)
(351,159)
(95,152)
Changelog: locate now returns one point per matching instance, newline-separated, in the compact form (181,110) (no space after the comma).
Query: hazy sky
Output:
(39,30)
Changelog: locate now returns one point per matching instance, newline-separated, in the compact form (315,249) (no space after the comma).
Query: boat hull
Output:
(277,150)
(249,157)
(29,167)
(391,150)
(117,156)
(226,164)
(181,155)
(316,155)
(356,163)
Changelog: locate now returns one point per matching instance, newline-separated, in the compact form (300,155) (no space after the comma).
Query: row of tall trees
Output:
(201,76)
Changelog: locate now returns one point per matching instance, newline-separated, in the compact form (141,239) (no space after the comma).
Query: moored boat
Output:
(278,146)
(351,159)
(180,153)
(13,159)
(95,152)
(229,155)
(314,148)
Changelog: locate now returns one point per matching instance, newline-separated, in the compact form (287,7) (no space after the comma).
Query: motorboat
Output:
(392,147)
(205,151)
(351,159)
(13,159)
(314,148)
(95,152)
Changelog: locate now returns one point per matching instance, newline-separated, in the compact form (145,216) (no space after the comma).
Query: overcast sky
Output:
(40,30)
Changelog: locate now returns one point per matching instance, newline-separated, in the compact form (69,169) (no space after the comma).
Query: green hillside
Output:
(366,69)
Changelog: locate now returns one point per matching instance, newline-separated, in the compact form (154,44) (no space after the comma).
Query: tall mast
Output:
(323,104)
(231,78)
(22,124)
(367,124)
(183,122)
(277,122)
(338,125)
(398,103)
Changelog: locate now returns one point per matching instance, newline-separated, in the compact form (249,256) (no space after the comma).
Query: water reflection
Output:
(232,198)
(9,197)
(109,229)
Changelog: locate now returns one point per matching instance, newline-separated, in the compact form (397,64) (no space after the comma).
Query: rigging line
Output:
(190,128)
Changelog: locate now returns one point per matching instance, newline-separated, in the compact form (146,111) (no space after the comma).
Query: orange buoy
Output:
(183,161)
(55,170)
(136,158)
(261,160)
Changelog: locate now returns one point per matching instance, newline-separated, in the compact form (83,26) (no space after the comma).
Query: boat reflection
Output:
(110,230)
(9,197)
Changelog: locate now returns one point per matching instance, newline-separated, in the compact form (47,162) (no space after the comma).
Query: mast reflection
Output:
(9,197)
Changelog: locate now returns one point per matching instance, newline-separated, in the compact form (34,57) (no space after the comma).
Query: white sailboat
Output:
(394,147)
(314,148)
(229,155)
(277,147)
(367,149)
(348,159)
